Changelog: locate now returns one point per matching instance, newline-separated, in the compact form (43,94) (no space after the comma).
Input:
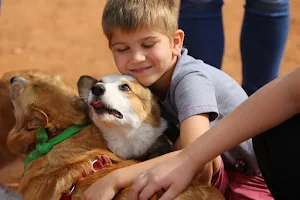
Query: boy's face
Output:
(144,54)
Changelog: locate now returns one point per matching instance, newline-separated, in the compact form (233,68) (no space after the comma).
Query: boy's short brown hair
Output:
(130,15)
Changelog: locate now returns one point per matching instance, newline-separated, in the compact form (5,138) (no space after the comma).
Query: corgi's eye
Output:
(125,87)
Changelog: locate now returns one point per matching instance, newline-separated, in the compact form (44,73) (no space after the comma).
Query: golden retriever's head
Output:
(39,103)
(7,118)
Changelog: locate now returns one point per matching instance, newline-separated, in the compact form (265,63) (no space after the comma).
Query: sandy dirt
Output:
(65,37)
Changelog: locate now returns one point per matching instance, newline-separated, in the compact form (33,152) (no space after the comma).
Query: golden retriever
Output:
(11,165)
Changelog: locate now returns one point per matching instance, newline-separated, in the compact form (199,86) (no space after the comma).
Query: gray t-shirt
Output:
(198,88)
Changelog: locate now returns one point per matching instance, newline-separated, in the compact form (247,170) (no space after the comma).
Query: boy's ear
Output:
(178,42)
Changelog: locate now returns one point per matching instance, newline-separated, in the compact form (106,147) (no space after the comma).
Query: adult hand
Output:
(173,175)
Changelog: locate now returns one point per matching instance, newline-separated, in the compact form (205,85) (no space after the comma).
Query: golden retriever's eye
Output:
(35,86)
(30,128)
(125,87)
(33,125)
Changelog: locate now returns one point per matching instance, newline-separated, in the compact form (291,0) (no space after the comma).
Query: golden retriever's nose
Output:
(98,90)
(12,80)
(18,79)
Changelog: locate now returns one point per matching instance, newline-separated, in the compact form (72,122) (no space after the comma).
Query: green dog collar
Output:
(44,145)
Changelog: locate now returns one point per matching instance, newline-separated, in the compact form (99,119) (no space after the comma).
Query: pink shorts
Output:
(238,186)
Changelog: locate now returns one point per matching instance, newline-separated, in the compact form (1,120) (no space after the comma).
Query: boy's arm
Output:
(191,128)
(108,186)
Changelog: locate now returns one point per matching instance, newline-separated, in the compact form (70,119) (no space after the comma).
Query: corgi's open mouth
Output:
(100,108)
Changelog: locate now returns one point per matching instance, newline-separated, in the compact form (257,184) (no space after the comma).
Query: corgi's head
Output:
(119,100)
(127,113)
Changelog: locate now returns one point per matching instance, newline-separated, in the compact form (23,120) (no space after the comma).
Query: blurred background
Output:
(65,37)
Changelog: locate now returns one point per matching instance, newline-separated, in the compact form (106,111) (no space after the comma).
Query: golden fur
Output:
(8,160)
(38,103)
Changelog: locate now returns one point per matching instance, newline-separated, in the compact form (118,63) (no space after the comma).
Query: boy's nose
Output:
(137,57)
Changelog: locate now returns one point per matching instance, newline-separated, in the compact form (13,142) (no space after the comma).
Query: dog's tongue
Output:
(97,104)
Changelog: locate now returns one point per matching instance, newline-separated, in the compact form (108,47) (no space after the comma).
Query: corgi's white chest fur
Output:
(129,144)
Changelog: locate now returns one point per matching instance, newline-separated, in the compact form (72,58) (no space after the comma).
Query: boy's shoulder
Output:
(187,65)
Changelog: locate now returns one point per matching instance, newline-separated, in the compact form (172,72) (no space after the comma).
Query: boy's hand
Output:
(103,189)
(173,175)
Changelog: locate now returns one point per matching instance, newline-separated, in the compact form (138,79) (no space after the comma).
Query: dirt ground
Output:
(65,37)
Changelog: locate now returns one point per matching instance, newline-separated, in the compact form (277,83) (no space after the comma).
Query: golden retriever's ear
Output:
(84,85)
(41,116)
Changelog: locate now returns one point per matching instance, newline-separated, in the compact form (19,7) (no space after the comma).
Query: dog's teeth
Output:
(113,112)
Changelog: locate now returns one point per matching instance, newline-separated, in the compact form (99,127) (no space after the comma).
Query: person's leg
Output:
(8,194)
(263,38)
(201,20)
(277,151)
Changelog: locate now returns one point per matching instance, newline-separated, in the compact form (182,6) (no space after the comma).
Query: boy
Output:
(273,117)
(147,44)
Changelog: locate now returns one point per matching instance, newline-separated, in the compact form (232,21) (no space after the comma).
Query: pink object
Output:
(246,187)
(221,180)
(239,186)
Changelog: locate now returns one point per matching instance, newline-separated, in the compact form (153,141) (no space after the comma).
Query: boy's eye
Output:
(122,49)
(148,45)
(125,87)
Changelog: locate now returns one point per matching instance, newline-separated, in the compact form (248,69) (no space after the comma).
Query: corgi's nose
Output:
(98,90)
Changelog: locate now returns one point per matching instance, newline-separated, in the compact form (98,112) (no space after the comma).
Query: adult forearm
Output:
(268,107)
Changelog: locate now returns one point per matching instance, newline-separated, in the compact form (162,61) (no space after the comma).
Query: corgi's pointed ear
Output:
(41,117)
(84,85)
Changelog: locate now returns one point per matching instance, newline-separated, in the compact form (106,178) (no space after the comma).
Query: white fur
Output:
(128,144)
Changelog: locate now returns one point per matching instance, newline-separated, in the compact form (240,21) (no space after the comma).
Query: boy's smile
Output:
(140,70)
(144,54)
